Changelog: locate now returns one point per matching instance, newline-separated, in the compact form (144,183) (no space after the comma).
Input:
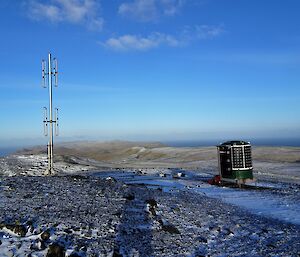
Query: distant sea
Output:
(4,151)
(254,142)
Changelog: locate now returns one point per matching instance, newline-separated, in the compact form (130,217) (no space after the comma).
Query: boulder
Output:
(20,230)
(152,202)
(170,228)
(45,235)
(129,197)
(152,206)
(56,250)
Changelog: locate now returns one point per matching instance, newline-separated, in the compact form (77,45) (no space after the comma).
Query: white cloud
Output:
(206,31)
(135,42)
(202,32)
(150,10)
(84,12)
(38,10)
(130,42)
(171,7)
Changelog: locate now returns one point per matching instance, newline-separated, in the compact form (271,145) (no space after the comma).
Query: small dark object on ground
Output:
(170,228)
(118,213)
(152,202)
(21,230)
(45,235)
(79,177)
(56,250)
(129,197)
(216,180)
(152,206)
(68,231)
(116,253)
(202,239)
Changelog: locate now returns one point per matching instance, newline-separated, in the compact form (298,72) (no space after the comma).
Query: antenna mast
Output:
(49,71)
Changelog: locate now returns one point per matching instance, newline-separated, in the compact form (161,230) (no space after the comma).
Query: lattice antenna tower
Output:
(50,73)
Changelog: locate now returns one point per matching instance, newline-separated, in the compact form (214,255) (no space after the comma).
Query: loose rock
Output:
(45,235)
(56,250)
(170,228)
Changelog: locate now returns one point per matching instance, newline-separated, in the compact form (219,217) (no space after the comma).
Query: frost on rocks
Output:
(82,215)
(35,165)
(95,217)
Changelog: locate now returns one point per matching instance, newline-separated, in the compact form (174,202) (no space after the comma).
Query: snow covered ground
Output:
(35,165)
(277,200)
(84,211)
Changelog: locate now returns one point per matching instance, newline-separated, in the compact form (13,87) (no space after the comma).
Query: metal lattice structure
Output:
(50,72)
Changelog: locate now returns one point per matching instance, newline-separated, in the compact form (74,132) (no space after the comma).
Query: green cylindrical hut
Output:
(235,161)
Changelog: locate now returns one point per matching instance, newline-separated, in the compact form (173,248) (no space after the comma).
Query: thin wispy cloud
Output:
(132,42)
(150,10)
(83,12)
(202,31)
(141,43)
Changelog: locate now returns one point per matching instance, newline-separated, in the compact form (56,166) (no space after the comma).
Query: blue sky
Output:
(152,69)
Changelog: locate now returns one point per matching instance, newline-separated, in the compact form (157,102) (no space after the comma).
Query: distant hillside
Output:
(141,152)
(131,154)
(101,151)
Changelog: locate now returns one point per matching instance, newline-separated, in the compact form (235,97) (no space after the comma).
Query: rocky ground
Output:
(83,216)
(89,208)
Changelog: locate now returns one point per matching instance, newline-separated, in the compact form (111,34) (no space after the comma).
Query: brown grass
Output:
(156,152)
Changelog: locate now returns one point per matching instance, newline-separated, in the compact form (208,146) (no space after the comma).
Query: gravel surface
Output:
(96,217)
(76,213)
